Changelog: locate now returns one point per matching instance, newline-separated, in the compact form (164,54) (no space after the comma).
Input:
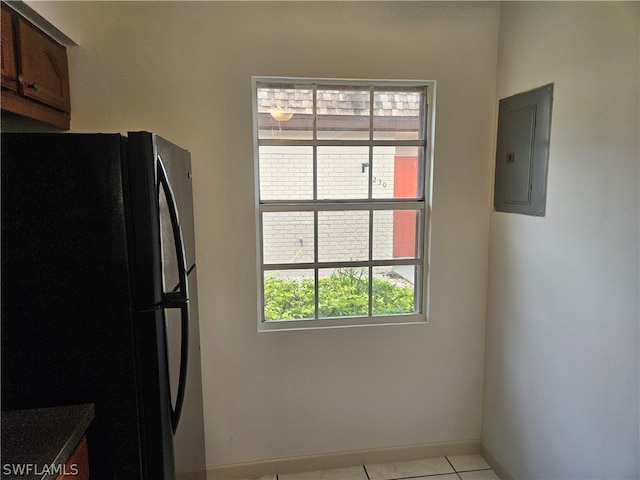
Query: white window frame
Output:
(424,205)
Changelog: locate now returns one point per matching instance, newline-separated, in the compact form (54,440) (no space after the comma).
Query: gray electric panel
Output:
(522,153)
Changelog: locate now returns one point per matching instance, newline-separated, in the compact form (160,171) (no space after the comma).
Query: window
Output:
(342,175)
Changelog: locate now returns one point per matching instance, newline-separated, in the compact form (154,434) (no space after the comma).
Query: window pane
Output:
(342,113)
(289,295)
(343,292)
(394,289)
(286,173)
(395,234)
(398,114)
(285,113)
(343,172)
(287,237)
(343,236)
(383,172)
(382,234)
(397,172)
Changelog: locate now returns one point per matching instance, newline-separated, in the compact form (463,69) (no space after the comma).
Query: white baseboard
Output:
(325,461)
(494,463)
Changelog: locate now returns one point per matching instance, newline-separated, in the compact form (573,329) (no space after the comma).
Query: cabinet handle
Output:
(33,86)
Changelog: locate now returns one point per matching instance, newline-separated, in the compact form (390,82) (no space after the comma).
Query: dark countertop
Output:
(40,439)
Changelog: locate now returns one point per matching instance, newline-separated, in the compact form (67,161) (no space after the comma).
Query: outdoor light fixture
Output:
(280,114)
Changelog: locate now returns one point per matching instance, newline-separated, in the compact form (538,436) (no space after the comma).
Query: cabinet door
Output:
(9,70)
(77,465)
(43,67)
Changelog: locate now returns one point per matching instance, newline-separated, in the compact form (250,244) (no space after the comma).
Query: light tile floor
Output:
(458,467)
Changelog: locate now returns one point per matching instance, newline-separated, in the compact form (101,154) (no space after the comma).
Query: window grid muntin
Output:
(418,203)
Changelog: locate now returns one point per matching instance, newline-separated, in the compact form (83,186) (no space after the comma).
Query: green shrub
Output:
(343,294)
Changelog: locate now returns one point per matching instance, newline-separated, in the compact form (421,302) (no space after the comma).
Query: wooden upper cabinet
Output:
(9,66)
(35,75)
(44,74)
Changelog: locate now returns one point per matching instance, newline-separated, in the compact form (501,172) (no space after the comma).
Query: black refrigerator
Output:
(99,295)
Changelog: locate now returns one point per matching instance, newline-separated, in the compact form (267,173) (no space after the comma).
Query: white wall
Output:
(561,392)
(184,70)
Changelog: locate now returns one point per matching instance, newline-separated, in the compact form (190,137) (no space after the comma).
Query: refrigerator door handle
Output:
(179,295)
(184,357)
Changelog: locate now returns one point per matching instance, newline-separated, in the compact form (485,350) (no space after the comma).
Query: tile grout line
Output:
(458,472)
(365,472)
(455,472)
(454,468)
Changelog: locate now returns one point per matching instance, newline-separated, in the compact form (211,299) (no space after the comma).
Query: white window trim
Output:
(416,318)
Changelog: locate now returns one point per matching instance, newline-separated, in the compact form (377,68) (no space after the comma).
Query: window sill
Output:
(350,322)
